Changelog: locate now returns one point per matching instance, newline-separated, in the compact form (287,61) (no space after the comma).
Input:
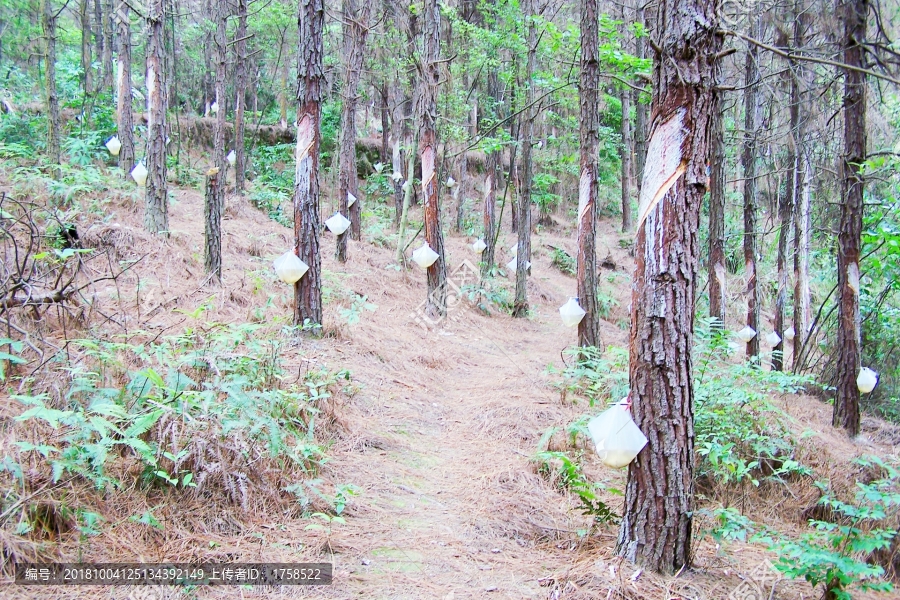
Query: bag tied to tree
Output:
(618,440)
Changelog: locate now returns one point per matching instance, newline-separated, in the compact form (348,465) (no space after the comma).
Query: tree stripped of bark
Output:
(311,85)
(437,272)
(586,270)
(854,14)
(659,496)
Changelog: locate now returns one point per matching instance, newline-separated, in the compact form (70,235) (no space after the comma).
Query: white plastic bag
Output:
(290,268)
(617,438)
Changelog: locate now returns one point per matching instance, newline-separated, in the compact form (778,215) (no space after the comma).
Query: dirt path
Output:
(441,435)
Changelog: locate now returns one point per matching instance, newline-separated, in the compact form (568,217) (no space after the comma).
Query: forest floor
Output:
(438,433)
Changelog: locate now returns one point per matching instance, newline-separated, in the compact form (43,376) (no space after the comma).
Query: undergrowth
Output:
(210,412)
(741,438)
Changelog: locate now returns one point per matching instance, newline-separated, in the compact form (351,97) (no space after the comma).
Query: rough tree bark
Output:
(659,496)
(355,29)
(125,116)
(437,273)
(156,215)
(240,85)
(311,86)
(523,252)
(717,217)
(751,186)
(49,17)
(586,271)
(215,178)
(854,14)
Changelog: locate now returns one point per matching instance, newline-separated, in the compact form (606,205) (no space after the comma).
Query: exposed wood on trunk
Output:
(156,215)
(659,497)
(751,186)
(125,116)
(437,273)
(586,272)
(854,14)
(311,86)
(355,29)
(240,84)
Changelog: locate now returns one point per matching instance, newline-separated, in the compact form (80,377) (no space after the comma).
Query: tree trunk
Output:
(125,117)
(87,79)
(717,217)
(586,273)
(846,402)
(156,216)
(748,163)
(215,182)
(98,28)
(460,191)
(659,496)
(212,217)
(54,125)
(523,252)
(208,78)
(282,96)
(109,40)
(786,215)
(491,183)
(355,28)
(786,210)
(626,161)
(240,84)
(404,211)
(385,123)
(640,109)
(311,85)
(437,273)
(801,260)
